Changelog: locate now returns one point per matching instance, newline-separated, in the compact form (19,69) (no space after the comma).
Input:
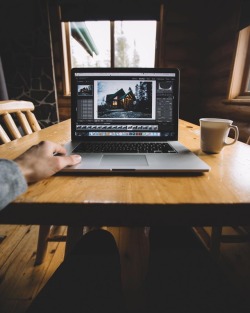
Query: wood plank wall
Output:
(221,35)
(201,40)
(181,49)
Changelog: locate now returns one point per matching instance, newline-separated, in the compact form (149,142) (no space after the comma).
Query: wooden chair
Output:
(213,236)
(17,120)
(26,119)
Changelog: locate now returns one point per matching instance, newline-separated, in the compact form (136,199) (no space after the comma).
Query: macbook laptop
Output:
(126,120)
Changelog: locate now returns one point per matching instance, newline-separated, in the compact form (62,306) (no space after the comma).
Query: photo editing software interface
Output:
(125,105)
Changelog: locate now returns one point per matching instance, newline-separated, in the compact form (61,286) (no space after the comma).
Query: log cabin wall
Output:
(200,38)
(220,42)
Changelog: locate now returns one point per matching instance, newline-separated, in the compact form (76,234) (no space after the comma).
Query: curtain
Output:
(81,33)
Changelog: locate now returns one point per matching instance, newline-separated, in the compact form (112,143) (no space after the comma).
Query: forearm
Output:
(12,182)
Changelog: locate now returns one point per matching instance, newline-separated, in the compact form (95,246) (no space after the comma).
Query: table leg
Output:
(74,233)
(215,241)
(42,243)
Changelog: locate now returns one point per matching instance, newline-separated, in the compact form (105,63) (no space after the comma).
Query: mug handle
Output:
(236,135)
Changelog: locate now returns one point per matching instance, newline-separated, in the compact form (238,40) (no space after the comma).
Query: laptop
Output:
(126,120)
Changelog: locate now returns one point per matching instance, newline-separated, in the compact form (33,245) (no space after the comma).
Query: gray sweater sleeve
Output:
(12,182)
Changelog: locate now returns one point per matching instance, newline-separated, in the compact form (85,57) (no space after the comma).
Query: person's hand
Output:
(44,160)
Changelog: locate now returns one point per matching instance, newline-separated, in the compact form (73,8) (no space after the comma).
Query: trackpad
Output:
(124,160)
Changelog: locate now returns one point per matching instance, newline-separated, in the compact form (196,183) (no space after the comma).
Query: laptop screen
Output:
(121,104)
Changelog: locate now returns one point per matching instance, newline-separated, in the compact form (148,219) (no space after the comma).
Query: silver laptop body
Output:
(128,106)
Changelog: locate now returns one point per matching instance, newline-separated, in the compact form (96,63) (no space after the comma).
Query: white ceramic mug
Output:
(214,133)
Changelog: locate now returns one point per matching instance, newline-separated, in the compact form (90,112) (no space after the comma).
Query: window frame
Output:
(241,70)
(65,30)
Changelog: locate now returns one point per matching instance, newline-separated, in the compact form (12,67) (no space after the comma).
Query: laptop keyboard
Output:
(124,147)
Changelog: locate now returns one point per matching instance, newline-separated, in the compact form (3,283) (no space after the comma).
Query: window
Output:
(108,44)
(240,83)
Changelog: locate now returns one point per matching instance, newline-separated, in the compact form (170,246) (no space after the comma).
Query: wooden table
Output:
(219,197)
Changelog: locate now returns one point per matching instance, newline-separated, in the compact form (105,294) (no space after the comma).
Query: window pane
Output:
(90,43)
(135,43)
(96,32)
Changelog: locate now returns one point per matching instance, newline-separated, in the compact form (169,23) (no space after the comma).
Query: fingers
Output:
(58,152)
(64,161)
(75,159)
(58,149)
(72,159)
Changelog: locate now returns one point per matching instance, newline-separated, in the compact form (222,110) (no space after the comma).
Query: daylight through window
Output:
(129,43)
